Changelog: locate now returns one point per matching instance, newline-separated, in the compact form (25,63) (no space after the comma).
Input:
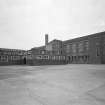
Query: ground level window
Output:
(39,57)
(75,58)
(69,58)
(4,58)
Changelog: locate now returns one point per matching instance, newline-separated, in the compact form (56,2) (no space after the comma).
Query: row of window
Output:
(50,57)
(80,46)
(11,53)
(52,52)
(6,58)
(78,58)
(57,45)
(58,52)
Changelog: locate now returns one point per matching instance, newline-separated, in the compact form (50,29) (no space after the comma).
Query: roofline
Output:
(84,37)
(12,49)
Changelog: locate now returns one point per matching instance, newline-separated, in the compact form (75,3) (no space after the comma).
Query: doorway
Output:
(24,61)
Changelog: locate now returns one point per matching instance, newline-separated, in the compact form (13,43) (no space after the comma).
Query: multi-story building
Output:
(51,53)
(87,49)
(12,56)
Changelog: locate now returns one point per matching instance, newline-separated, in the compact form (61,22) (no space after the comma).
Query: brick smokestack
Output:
(46,39)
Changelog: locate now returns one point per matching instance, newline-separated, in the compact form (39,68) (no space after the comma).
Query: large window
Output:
(97,42)
(45,57)
(98,51)
(86,45)
(74,48)
(80,47)
(3,58)
(68,48)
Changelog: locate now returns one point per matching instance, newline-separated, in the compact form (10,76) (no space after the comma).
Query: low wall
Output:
(48,62)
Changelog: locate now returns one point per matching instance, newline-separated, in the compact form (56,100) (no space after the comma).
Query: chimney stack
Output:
(46,39)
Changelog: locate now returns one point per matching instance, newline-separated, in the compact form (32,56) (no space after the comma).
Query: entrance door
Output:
(24,61)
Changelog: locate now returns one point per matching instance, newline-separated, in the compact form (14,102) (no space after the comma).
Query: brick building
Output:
(87,49)
(51,53)
(12,56)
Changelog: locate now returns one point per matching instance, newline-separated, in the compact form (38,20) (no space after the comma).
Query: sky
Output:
(24,23)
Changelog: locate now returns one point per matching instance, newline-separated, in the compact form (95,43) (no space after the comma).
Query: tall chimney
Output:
(46,39)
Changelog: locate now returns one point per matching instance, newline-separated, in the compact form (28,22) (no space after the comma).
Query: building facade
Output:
(86,50)
(12,56)
(51,53)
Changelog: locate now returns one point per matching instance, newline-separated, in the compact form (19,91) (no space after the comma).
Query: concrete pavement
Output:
(52,85)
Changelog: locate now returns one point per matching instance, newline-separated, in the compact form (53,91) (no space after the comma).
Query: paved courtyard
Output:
(52,85)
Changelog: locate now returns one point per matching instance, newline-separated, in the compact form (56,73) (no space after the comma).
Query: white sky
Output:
(23,23)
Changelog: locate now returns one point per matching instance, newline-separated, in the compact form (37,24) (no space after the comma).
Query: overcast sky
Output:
(23,23)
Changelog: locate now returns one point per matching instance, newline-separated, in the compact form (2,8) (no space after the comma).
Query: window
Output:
(68,48)
(75,58)
(61,52)
(87,45)
(42,52)
(80,46)
(59,58)
(98,51)
(45,57)
(11,57)
(69,58)
(3,58)
(39,57)
(72,58)
(85,58)
(54,57)
(0,58)
(63,57)
(74,48)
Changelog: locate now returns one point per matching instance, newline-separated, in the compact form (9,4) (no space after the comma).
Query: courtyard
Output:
(73,84)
